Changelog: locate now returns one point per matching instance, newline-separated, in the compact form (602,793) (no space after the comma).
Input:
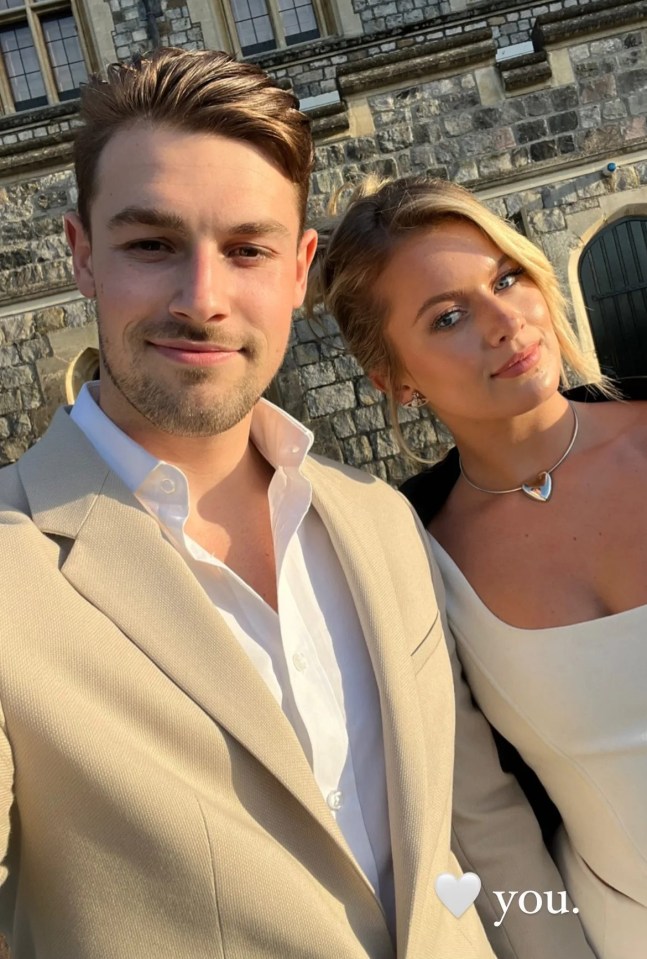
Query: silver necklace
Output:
(542,486)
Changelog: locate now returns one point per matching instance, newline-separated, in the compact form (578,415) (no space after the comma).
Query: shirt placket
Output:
(322,714)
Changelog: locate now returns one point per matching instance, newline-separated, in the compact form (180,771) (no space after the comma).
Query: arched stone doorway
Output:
(85,367)
(612,274)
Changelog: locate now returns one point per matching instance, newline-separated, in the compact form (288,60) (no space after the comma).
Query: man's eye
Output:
(248,252)
(149,246)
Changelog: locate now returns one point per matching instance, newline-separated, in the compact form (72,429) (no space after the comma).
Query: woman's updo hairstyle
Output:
(355,248)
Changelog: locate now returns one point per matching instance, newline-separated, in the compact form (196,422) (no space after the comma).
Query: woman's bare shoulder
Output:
(619,424)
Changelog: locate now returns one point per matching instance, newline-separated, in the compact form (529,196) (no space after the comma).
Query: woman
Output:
(537,517)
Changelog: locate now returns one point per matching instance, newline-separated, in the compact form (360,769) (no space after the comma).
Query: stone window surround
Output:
(31,15)
(274,14)
(219,28)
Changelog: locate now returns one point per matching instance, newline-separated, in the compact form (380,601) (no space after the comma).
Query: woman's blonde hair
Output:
(379,216)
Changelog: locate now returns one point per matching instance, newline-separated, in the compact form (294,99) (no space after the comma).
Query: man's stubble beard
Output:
(172,410)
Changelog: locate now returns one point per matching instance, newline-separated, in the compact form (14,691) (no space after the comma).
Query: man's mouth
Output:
(194,353)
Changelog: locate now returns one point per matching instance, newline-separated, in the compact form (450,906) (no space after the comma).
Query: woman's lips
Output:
(519,363)
(194,354)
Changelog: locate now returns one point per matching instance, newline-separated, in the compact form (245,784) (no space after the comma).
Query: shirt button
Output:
(167,486)
(300,662)
(335,799)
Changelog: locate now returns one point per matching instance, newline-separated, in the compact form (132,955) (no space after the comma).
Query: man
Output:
(226,724)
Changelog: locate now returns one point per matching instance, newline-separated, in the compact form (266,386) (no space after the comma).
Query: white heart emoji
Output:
(457,894)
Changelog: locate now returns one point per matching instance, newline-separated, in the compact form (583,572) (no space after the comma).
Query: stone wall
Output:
(402,29)
(511,20)
(37,349)
(33,252)
(140,26)
(454,128)
(531,138)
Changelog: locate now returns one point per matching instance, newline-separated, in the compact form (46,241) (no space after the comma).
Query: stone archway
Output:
(587,225)
(612,274)
(82,369)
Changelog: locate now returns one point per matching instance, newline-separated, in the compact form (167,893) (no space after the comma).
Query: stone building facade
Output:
(526,103)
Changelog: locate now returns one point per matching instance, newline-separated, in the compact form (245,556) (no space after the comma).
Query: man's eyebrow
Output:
(452,294)
(260,228)
(147,216)
(165,220)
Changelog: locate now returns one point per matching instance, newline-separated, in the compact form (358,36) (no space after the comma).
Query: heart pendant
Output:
(540,489)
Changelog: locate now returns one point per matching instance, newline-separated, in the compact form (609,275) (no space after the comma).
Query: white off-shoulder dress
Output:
(573,701)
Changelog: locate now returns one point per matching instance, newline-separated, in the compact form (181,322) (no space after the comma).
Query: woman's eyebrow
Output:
(438,298)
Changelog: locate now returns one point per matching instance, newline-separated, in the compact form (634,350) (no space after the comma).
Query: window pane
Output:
(299,21)
(263,28)
(64,52)
(240,10)
(10,4)
(23,71)
(57,53)
(246,34)
(290,21)
(254,26)
(79,74)
(307,20)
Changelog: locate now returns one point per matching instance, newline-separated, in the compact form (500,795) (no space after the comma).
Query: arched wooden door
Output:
(613,277)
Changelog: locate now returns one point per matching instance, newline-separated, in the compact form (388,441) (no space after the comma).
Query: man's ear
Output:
(79,243)
(305,256)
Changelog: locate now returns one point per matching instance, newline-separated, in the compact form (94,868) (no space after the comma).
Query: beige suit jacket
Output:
(154,800)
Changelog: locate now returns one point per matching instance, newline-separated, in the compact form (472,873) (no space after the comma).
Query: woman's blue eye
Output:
(508,279)
(446,320)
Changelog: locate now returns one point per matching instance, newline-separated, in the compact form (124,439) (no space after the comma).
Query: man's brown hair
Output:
(198,91)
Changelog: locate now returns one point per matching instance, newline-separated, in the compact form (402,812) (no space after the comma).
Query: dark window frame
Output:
(31,18)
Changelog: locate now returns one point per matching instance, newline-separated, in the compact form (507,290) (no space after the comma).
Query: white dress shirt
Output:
(311,653)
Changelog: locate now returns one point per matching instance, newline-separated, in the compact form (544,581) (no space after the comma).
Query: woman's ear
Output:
(402,394)
(379,381)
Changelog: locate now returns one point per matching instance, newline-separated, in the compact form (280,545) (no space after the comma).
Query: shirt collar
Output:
(126,458)
(282,440)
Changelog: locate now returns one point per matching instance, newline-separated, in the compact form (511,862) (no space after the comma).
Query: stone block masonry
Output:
(436,106)
(36,350)
(33,252)
(443,125)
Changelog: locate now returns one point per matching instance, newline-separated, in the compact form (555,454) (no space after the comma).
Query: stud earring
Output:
(416,402)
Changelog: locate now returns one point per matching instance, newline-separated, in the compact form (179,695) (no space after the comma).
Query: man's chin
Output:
(200,418)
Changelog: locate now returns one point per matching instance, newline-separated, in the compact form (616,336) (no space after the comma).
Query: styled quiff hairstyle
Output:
(355,249)
(199,92)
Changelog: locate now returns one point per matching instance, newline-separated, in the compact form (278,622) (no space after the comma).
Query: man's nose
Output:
(202,289)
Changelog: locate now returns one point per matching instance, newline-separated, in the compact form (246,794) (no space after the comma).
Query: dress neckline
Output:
(501,623)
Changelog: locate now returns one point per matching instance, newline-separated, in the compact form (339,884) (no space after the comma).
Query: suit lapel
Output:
(361,553)
(123,565)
